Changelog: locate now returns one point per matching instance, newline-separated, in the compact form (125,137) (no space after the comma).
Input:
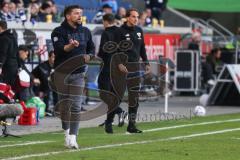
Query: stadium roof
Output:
(206,5)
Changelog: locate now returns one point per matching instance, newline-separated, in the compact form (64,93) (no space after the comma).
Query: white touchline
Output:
(15,141)
(179,126)
(125,144)
(25,144)
(190,125)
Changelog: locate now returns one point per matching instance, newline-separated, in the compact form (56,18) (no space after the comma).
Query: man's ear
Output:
(67,17)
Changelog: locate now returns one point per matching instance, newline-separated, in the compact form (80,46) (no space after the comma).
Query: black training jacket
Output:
(135,35)
(109,35)
(61,36)
(8,56)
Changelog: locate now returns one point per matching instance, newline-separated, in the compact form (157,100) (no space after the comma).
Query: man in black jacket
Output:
(109,35)
(8,54)
(134,34)
(71,40)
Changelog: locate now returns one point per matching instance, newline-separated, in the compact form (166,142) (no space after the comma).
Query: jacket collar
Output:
(128,27)
(111,28)
(7,32)
(66,25)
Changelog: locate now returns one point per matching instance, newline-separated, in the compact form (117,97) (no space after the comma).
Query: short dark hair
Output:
(51,53)
(45,5)
(215,50)
(23,48)
(106,6)
(3,25)
(128,13)
(69,9)
(109,18)
(3,4)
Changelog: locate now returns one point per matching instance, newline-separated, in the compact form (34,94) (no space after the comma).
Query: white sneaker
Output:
(73,142)
(66,138)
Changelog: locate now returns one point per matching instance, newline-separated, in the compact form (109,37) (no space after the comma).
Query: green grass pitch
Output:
(186,139)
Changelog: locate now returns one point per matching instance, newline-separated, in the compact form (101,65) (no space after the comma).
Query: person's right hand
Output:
(74,43)
(122,68)
(41,94)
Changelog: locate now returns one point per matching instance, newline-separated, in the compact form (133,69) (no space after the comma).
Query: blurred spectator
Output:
(45,13)
(4,12)
(21,12)
(194,44)
(120,16)
(25,93)
(12,11)
(157,7)
(50,2)
(28,2)
(112,3)
(99,16)
(121,13)
(142,19)
(212,66)
(34,11)
(148,21)
(56,16)
(42,72)
(17,10)
(214,60)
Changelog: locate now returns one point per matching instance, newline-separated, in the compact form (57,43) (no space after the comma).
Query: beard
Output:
(78,22)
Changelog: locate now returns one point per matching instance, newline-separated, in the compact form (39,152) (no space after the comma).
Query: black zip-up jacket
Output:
(134,34)
(110,34)
(8,56)
(42,72)
(61,36)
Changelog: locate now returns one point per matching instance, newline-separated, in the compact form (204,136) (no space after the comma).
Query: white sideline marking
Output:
(190,125)
(25,144)
(125,144)
(15,141)
(179,126)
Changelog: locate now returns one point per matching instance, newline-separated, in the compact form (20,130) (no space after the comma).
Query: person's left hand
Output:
(41,94)
(148,69)
(36,81)
(86,58)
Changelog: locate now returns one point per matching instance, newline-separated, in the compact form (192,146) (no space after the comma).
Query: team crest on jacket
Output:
(55,39)
(127,36)
(139,35)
